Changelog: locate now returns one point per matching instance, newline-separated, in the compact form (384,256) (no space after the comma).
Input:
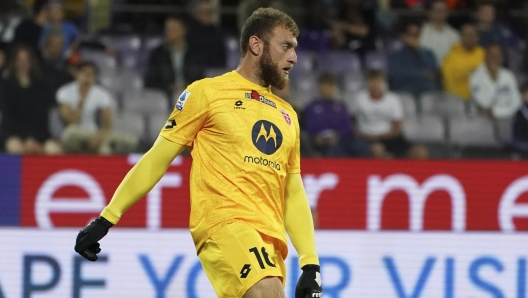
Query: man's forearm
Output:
(141,178)
(298,221)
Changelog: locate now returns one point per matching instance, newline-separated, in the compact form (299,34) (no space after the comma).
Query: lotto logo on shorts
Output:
(245,271)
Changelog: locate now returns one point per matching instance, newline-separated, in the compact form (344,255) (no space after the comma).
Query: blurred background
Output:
(414,131)
(449,76)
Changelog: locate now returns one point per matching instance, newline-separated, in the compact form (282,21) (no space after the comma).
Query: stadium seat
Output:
(475,131)
(130,122)
(130,79)
(350,101)
(504,130)
(111,81)
(442,104)
(408,103)
(232,52)
(305,64)
(339,62)
(304,88)
(145,102)
(424,129)
(155,123)
(105,62)
(353,81)
(125,42)
(55,123)
(128,46)
(148,44)
(376,60)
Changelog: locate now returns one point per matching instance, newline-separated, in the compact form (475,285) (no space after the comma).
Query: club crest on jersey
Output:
(256,96)
(286,117)
(182,99)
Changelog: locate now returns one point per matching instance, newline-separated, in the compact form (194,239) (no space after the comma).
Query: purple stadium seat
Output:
(128,46)
(339,62)
(376,60)
(106,62)
(305,64)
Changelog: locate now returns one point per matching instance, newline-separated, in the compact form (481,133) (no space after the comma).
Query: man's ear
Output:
(255,45)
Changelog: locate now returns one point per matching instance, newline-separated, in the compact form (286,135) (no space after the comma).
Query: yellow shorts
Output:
(237,256)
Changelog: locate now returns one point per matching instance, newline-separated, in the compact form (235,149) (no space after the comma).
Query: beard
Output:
(270,73)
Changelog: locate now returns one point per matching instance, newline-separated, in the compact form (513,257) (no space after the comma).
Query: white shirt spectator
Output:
(501,96)
(97,98)
(375,117)
(439,42)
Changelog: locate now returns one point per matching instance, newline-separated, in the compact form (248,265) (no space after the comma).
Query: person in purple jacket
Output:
(328,123)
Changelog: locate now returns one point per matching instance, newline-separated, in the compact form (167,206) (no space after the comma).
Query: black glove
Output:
(309,284)
(86,244)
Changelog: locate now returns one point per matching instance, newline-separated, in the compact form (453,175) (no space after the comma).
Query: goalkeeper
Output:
(245,185)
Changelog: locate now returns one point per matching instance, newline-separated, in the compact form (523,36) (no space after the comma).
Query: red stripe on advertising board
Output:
(347,194)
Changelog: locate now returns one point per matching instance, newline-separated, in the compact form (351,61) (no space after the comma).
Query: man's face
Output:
(494,57)
(86,76)
(486,14)
(174,30)
(327,90)
(54,47)
(376,85)
(278,57)
(204,13)
(469,36)
(439,12)
(23,62)
(56,14)
(411,36)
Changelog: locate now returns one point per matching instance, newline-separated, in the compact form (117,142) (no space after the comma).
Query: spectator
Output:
(328,123)
(520,125)
(12,12)
(29,31)
(57,22)
(204,38)
(26,102)
(355,29)
(379,119)
(84,105)
(437,35)
(490,31)
(494,88)
(172,66)
(461,61)
(56,72)
(412,68)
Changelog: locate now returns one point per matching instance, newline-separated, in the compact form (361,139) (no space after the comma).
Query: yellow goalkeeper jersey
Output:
(244,140)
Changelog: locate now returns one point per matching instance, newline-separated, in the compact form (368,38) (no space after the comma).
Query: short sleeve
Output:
(106,99)
(294,161)
(188,117)
(397,111)
(63,95)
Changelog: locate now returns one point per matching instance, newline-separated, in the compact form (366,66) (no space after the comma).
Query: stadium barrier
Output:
(396,229)
(140,263)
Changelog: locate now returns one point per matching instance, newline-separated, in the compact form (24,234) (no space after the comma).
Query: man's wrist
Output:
(104,222)
(311,267)
(311,259)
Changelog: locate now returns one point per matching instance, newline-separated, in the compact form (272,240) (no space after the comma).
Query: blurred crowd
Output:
(375,78)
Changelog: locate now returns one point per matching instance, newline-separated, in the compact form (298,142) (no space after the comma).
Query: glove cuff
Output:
(311,267)
(104,222)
